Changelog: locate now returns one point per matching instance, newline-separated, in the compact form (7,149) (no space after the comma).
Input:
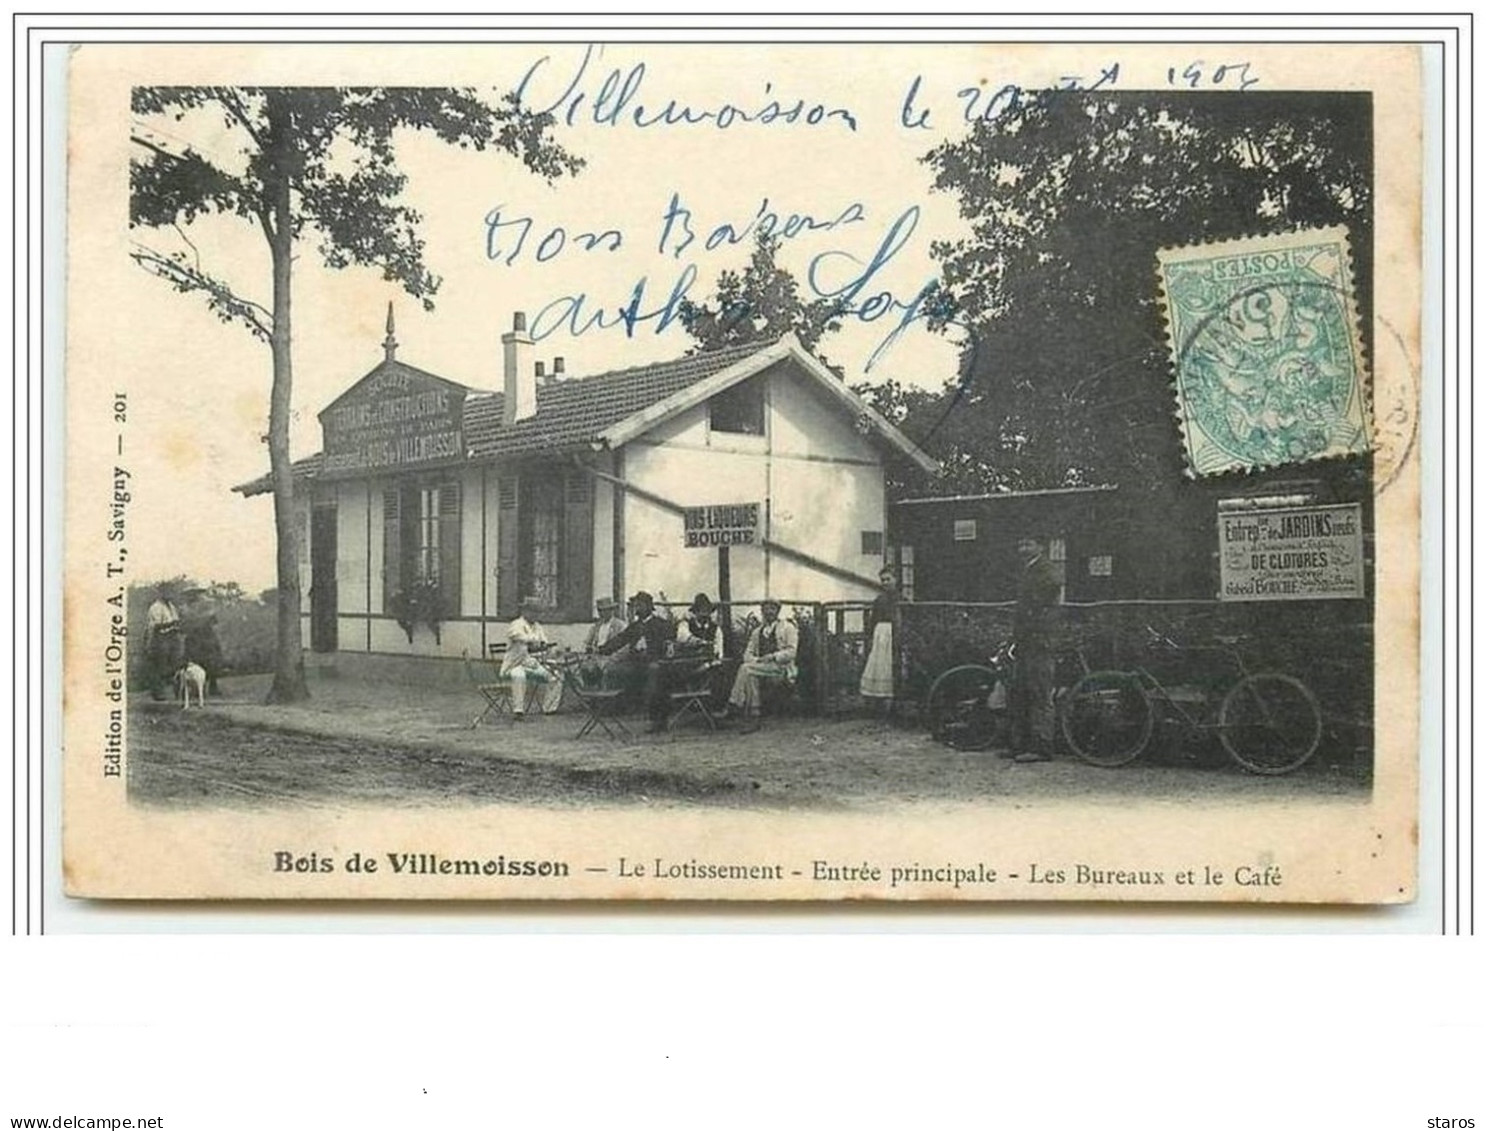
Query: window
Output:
(872,542)
(420,542)
(541,549)
(739,410)
(905,572)
(428,534)
(964,530)
(1101,565)
(1057,550)
(545,536)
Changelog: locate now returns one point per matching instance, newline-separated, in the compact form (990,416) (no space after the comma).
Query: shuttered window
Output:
(421,541)
(545,542)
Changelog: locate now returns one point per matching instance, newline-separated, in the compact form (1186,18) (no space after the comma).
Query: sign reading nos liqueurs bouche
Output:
(392,420)
(1291,554)
(726,524)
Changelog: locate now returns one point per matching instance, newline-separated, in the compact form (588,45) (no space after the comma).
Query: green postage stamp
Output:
(1264,340)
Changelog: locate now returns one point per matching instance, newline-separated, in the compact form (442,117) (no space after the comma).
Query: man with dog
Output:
(165,647)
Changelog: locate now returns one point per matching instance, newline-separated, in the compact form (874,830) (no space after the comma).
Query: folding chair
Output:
(695,698)
(601,704)
(487,680)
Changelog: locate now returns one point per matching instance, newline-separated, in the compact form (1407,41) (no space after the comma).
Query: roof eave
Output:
(639,423)
(880,424)
(788,346)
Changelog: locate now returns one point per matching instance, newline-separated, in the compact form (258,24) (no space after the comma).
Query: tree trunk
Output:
(289,684)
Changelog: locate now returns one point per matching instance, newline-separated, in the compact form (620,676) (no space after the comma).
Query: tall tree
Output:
(1068,196)
(292,162)
(759,305)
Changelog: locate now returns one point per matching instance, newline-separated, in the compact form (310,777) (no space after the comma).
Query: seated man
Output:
(699,634)
(609,624)
(770,655)
(646,637)
(526,640)
(699,639)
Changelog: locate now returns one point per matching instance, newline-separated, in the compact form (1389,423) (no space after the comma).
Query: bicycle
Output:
(1268,722)
(966,705)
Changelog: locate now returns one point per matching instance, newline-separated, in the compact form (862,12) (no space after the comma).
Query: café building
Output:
(435,505)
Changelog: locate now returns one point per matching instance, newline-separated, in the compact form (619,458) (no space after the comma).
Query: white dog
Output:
(191,675)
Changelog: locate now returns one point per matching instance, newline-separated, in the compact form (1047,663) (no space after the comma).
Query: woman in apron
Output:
(877,676)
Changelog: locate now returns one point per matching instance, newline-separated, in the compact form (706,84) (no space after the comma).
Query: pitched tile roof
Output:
(571,414)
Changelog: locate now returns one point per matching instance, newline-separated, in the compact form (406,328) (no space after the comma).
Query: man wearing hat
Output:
(593,671)
(165,646)
(699,649)
(526,640)
(646,637)
(1039,592)
(770,655)
(699,635)
(609,624)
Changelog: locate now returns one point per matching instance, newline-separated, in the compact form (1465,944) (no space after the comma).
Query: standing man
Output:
(1037,597)
(646,636)
(165,647)
(526,640)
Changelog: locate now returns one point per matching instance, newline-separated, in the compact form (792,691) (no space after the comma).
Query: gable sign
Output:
(391,420)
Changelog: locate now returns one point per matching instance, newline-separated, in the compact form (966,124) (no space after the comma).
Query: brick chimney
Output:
(521,383)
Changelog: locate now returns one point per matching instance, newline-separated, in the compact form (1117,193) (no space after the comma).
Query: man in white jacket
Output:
(525,641)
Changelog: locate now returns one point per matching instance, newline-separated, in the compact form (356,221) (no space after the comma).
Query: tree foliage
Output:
(761,304)
(304,163)
(1068,196)
(334,149)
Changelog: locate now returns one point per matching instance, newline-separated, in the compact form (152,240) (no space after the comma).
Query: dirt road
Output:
(381,744)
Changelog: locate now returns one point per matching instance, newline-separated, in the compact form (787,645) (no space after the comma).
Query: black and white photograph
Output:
(743,471)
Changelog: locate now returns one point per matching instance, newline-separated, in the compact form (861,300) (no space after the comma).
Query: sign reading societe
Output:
(726,524)
(1291,554)
(393,419)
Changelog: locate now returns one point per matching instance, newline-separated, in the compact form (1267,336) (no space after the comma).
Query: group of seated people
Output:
(649,655)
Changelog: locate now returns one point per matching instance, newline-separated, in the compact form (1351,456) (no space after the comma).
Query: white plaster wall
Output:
(455,637)
(655,558)
(603,538)
(821,478)
(806,420)
(822,509)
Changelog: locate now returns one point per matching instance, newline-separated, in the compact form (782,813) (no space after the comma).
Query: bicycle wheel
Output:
(1107,718)
(1270,723)
(959,708)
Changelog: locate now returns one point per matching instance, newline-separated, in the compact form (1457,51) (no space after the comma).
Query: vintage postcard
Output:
(743,471)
